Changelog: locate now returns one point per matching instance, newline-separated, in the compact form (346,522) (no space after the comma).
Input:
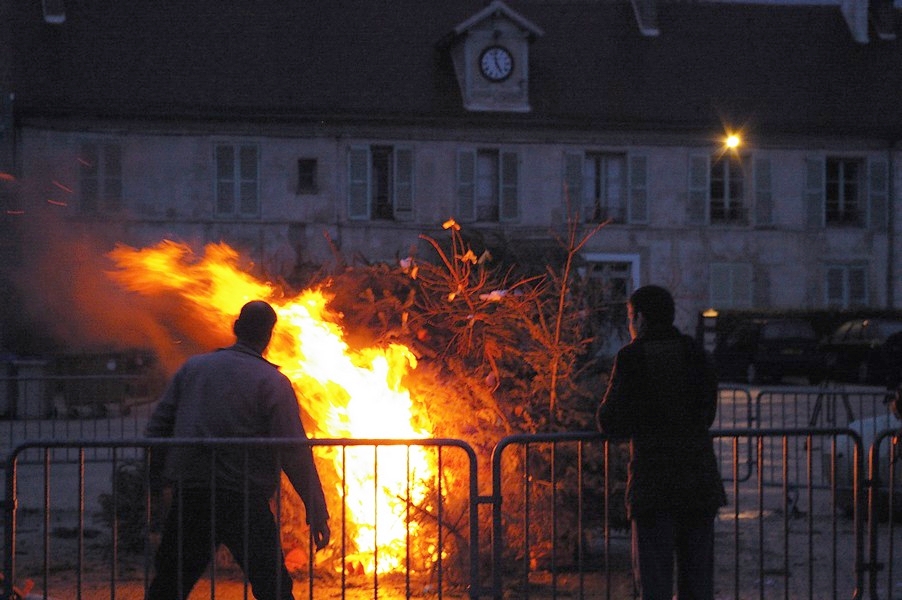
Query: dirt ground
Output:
(755,559)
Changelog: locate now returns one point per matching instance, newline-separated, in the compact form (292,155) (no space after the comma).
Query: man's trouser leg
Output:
(695,557)
(256,548)
(184,550)
(653,546)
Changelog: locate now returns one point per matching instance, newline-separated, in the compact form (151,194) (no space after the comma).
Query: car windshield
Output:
(778,330)
(888,328)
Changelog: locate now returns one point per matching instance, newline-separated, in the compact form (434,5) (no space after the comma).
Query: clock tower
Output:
(490,51)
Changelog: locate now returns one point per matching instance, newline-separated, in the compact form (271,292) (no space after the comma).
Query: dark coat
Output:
(663,395)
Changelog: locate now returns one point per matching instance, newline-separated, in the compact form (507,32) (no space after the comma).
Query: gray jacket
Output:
(235,393)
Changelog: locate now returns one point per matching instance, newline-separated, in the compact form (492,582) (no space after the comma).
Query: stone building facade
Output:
(360,128)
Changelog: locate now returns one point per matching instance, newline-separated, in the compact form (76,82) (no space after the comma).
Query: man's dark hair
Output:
(655,303)
(255,322)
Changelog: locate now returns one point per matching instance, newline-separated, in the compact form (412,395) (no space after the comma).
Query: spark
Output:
(62,187)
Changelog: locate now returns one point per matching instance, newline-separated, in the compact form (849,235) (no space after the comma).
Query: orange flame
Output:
(345,393)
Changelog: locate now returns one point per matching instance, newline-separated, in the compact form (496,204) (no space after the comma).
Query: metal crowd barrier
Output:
(810,506)
(73,407)
(559,530)
(864,410)
(90,528)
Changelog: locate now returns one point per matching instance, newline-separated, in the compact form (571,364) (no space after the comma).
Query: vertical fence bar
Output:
(736,513)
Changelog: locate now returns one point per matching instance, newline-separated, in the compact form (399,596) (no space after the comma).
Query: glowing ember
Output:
(346,393)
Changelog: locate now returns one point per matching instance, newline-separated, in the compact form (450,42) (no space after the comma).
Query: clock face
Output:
(496,63)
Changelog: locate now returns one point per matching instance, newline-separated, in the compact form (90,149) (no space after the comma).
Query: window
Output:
(843,192)
(612,281)
(604,188)
(609,280)
(237,175)
(100,177)
(846,286)
(607,186)
(487,182)
(847,191)
(730,285)
(307,176)
(727,189)
(380,182)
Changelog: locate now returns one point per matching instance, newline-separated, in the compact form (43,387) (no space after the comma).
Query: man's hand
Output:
(320,532)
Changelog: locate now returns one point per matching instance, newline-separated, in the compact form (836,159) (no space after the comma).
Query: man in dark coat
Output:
(662,394)
(222,496)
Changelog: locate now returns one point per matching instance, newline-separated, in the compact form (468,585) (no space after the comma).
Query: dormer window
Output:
(490,51)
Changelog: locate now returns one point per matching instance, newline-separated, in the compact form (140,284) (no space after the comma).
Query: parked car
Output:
(869,429)
(769,349)
(866,350)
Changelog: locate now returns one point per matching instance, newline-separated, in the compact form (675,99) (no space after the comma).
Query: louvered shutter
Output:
(573,184)
(763,194)
(403,184)
(509,180)
(878,184)
(358,183)
(697,200)
(466,185)
(638,192)
(814,192)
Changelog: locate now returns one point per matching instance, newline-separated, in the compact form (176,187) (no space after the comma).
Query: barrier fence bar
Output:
(68,553)
(559,532)
(73,407)
(864,410)
(557,527)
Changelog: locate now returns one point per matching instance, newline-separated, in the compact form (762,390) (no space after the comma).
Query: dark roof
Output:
(793,69)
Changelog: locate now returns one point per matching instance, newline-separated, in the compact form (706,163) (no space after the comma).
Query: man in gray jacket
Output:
(221,495)
(662,394)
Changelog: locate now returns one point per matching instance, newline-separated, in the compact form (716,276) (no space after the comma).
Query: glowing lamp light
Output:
(732,141)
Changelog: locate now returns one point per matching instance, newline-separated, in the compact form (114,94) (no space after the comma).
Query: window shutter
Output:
(764,206)
(510,174)
(720,286)
(573,182)
(697,202)
(248,167)
(403,183)
(742,285)
(814,192)
(112,177)
(358,182)
(466,185)
(731,285)
(858,286)
(89,158)
(836,286)
(638,198)
(761,286)
(225,180)
(878,180)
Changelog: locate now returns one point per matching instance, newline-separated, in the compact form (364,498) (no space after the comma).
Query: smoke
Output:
(65,301)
